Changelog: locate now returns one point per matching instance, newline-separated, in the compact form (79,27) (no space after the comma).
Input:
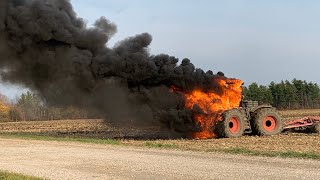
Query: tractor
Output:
(249,118)
(263,120)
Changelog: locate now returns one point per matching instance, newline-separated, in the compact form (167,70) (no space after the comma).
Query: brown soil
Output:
(90,128)
(291,142)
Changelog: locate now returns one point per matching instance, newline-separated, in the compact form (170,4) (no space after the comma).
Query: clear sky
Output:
(256,41)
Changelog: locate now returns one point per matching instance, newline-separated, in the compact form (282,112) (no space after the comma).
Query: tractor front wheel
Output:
(231,125)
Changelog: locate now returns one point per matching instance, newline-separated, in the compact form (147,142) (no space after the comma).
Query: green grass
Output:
(285,154)
(64,139)
(4,175)
(163,145)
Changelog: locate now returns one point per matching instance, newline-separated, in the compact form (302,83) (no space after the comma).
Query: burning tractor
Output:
(250,118)
(224,114)
(221,116)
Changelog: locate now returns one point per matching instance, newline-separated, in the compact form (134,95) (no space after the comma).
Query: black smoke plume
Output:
(44,46)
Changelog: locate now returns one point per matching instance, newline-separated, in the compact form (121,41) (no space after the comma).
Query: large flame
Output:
(213,104)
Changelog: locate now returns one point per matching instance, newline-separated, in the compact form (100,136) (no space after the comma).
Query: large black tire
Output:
(316,128)
(232,124)
(266,122)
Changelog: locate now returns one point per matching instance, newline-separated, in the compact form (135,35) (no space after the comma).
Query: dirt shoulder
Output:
(66,160)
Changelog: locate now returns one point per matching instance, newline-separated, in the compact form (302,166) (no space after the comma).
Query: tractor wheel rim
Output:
(269,123)
(234,125)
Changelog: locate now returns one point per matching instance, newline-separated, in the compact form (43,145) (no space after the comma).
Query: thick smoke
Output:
(47,48)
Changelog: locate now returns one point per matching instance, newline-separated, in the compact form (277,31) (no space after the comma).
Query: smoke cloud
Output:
(44,46)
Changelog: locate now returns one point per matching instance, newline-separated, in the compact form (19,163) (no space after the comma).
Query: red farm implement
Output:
(311,123)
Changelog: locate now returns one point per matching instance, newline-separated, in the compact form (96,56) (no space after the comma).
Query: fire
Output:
(213,104)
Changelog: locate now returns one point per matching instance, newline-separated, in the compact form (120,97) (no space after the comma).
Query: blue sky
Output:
(256,41)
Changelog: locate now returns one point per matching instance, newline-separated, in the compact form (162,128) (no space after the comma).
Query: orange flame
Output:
(213,104)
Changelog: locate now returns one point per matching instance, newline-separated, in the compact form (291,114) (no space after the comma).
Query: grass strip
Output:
(62,139)
(284,154)
(4,175)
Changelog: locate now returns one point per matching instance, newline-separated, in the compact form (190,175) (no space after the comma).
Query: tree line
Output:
(29,107)
(295,94)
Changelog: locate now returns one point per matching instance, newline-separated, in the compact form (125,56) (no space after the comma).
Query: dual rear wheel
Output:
(265,121)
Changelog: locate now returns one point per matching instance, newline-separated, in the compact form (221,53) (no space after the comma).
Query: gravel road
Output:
(67,160)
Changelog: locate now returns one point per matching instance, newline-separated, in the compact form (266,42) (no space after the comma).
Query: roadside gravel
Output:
(67,160)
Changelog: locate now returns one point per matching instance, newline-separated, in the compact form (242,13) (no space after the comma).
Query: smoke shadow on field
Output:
(117,134)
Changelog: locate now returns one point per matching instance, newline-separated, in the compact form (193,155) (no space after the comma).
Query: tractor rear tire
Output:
(316,128)
(232,124)
(266,122)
